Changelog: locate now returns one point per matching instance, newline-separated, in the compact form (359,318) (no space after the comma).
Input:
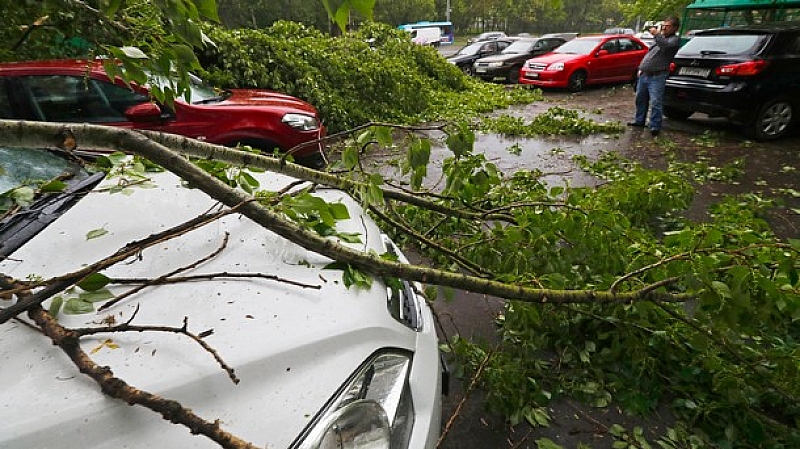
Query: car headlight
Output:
(301,121)
(373,409)
(556,67)
(495,65)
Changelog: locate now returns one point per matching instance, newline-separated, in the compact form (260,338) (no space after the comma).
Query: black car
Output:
(747,74)
(508,63)
(469,54)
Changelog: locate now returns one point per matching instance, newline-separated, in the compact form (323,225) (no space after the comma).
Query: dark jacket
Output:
(660,54)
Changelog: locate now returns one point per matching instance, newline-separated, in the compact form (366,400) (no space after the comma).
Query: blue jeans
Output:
(650,92)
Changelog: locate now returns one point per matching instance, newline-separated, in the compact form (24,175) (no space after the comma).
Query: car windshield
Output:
(724,44)
(519,47)
(200,92)
(30,198)
(578,47)
(471,49)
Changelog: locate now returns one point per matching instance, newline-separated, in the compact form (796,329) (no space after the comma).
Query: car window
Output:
(518,47)
(611,46)
(66,98)
(502,45)
(627,45)
(20,167)
(120,98)
(578,46)
(728,44)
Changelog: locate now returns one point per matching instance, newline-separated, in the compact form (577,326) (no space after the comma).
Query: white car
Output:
(319,365)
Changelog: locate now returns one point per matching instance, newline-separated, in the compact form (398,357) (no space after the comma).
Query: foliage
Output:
(726,361)
(556,121)
(350,80)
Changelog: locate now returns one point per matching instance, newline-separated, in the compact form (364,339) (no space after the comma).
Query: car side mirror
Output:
(143,112)
(601,53)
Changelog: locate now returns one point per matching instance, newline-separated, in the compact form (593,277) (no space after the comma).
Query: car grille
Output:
(538,66)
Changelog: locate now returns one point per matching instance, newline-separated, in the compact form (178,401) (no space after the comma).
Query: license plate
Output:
(694,71)
(480,70)
(531,75)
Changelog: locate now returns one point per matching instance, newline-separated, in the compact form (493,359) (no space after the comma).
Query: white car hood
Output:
(290,346)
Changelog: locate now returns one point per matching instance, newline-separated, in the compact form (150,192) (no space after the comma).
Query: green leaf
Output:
(722,289)
(133,52)
(349,237)
(53,186)
(96,296)
(110,7)
(55,305)
(94,281)
(23,195)
(76,306)
(547,443)
(96,233)
(207,9)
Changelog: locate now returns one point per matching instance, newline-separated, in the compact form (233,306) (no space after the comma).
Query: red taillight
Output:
(748,68)
(672,67)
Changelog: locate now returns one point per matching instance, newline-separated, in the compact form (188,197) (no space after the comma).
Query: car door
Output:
(627,59)
(605,63)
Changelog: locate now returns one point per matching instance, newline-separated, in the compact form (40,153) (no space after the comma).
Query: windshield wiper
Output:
(215,99)
(17,229)
(713,52)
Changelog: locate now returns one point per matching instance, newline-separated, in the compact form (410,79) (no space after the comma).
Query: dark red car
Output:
(586,60)
(80,91)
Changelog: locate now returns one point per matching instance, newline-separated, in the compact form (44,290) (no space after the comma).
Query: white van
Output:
(427,36)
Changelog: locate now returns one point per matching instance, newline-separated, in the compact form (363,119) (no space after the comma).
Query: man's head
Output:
(670,25)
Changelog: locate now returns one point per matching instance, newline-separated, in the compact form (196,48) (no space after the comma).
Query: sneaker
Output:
(655,132)
(636,124)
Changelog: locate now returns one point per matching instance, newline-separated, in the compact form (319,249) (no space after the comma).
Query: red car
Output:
(59,91)
(586,60)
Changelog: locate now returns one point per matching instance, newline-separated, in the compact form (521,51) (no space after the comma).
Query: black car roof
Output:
(761,27)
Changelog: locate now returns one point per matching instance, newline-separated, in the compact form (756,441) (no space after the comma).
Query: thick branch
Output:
(126,140)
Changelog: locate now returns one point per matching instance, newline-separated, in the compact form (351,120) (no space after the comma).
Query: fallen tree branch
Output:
(112,386)
(122,139)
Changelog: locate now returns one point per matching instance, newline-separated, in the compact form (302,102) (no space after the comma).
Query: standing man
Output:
(653,71)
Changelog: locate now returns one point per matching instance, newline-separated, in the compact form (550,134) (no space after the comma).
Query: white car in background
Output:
(319,365)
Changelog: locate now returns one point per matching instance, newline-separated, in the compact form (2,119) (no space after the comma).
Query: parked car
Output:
(472,52)
(80,91)
(747,74)
(427,36)
(586,60)
(508,63)
(318,364)
(567,35)
(626,31)
(487,36)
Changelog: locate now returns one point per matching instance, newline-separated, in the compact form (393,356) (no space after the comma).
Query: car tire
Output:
(577,81)
(467,69)
(513,75)
(773,119)
(676,114)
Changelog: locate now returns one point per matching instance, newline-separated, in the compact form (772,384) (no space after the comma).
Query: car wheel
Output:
(677,114)
(577,81)
(513,75)
(772,119)
(467,69)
